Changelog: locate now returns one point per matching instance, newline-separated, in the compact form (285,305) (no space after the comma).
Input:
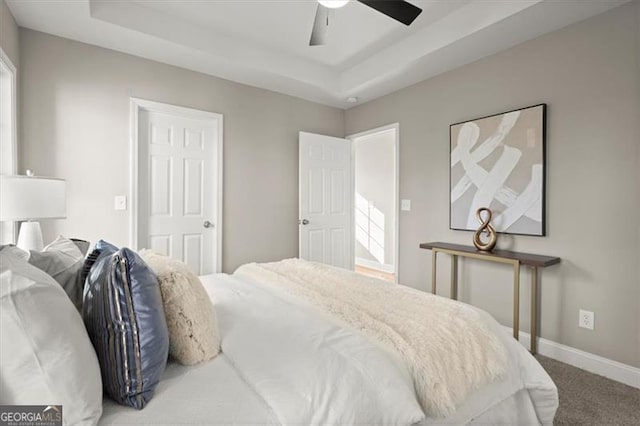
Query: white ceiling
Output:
(265,43)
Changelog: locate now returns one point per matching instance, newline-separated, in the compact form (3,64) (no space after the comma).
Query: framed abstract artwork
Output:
(499,162)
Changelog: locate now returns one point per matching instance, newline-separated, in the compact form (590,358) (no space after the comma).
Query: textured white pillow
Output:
(193,329)
(45,352)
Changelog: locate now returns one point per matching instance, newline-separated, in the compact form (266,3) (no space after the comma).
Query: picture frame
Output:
(499,162)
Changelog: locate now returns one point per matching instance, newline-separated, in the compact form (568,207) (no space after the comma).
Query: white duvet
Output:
(286,362)
(307,369)
(446,344)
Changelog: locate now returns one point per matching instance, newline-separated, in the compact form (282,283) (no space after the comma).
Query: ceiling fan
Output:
(399,10)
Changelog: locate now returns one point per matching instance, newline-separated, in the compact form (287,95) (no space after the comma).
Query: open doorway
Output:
(376,202)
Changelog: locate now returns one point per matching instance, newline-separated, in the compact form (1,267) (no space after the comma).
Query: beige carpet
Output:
(589,399)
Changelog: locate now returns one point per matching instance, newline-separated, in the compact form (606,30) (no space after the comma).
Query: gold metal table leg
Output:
(534,310)
(516,300)
(454,277)
(433,271)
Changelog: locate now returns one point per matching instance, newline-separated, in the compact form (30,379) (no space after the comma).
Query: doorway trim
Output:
(396,195)
(135,106)
(10,229)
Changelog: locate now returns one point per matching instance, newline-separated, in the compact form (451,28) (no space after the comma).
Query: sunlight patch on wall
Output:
(370,227)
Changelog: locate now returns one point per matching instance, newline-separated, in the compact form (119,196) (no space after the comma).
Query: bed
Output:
(284,361)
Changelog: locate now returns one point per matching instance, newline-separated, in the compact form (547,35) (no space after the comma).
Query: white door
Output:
(326,199)
(178,185)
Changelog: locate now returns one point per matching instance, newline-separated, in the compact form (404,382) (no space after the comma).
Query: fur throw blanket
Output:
(446,344)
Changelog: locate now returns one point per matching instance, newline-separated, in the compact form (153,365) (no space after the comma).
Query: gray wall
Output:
(375,182)
(75,125)
(9,34)
(588,74)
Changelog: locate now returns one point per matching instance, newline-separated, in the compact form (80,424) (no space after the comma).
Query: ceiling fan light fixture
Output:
(399,10)
(333,4)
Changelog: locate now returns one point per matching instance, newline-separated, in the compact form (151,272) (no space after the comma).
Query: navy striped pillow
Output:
(123,314)
(88,263)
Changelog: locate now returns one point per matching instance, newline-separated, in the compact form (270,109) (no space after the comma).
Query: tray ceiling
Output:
(265,43)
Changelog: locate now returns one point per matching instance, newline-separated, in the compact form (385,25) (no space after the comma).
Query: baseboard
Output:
(390,269)
(596,364)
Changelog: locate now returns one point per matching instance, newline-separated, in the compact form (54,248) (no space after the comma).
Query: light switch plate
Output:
(405,205)
(120,202)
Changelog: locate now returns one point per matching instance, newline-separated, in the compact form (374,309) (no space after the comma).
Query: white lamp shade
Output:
(32,198)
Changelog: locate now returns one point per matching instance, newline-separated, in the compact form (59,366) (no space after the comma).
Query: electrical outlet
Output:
(405,205)
(586,319)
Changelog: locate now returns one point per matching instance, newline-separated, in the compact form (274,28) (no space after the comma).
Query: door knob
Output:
(304,222)
(207,224)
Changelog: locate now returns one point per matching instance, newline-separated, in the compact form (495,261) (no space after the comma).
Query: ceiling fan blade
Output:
(399,10)
(320,27)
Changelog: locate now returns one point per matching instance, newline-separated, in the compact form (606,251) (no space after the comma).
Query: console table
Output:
(513,258)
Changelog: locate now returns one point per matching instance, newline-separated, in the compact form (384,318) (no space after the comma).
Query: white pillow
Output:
(45,352)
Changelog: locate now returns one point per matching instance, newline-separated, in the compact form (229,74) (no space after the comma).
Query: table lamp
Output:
(28,199)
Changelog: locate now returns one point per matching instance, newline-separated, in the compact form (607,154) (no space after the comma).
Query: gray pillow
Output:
(63,261)
(14,251)
(82,245)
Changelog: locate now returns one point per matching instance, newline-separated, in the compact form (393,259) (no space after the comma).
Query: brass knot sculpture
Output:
(485,227)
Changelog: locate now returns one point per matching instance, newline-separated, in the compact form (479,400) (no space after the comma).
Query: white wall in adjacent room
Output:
(375,197)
